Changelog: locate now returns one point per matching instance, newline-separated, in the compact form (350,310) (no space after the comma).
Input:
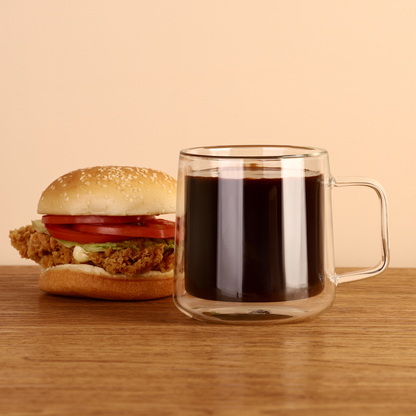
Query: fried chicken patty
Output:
(145,254)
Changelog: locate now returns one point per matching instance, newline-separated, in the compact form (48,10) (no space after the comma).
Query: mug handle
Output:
(385,252)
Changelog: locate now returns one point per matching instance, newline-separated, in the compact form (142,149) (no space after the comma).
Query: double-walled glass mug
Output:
(254,239)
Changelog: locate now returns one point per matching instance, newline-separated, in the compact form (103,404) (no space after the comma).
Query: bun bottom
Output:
(68,282)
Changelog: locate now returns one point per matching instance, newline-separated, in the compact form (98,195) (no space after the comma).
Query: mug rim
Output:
(308,151)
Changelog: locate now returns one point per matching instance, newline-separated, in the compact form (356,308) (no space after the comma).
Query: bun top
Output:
(110,190)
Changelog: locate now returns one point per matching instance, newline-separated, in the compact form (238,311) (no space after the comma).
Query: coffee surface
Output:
(254,239)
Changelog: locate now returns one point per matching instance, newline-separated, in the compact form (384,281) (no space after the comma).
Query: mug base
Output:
(256,313)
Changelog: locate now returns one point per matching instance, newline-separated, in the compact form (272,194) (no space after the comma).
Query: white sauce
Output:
(80,255)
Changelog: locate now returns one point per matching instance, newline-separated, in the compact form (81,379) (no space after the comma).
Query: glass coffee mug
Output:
(254,239)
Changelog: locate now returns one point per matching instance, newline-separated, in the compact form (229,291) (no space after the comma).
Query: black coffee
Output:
(254,240)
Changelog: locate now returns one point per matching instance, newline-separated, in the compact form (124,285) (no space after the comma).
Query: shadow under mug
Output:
(254,238)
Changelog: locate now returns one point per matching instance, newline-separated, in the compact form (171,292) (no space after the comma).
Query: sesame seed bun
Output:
(92,282)
(110,190)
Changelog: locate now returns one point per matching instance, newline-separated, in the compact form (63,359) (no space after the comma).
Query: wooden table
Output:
(68,356)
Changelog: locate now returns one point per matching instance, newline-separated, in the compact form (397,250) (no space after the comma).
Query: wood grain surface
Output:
(68,356)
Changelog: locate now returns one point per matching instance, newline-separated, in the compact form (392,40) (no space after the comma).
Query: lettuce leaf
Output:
(97,247)
(39,226)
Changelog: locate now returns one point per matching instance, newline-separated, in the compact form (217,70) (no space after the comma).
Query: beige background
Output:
(86,83)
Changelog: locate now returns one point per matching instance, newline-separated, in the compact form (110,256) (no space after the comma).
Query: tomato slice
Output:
(154,228)
(94,219)
(159,223)
(66,232)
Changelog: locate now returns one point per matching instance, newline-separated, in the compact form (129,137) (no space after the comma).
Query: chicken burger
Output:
(100,235)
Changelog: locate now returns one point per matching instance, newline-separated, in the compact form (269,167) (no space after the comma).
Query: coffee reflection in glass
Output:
(254,234)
